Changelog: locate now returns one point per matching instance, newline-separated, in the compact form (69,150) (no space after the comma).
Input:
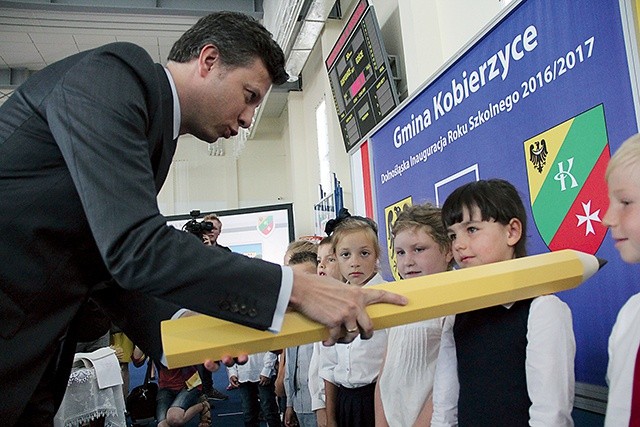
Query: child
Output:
(177,403)
(350,370)
(327,261)
(327,266)
(508,365)
(305,261)
(297,361)
(295,247)
(623,218)
(299,246)
(254,381)
(422,247)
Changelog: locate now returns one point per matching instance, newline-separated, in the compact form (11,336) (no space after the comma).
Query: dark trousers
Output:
(355,406)
(206,377)
(255,397)
(47,397)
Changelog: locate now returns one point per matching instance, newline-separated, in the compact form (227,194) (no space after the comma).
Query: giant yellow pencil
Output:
(191,340)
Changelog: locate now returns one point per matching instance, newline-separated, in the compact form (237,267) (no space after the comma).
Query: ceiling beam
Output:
(139,7)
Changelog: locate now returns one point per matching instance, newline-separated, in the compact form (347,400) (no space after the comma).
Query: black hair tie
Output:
(333,223)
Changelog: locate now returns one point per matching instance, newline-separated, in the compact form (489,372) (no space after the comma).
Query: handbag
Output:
(141,402)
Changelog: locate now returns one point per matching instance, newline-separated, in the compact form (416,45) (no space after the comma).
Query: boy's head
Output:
(305,261)
(327,261)
(486,222)
(626,158)
(623,215)
(421,242)
(299,246)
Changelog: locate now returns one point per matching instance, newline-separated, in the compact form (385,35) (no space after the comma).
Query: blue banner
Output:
(547,72)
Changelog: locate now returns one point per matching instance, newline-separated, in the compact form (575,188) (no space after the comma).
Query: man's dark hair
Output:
(238,37)
(302,257)
(496,199)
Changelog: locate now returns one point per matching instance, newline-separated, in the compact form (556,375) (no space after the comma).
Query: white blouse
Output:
(358,363)
(406,381)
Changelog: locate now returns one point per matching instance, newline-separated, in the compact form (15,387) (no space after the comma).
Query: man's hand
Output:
(213,365)
(342,308)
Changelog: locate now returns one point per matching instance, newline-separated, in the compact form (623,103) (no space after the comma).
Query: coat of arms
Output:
(266,225)
(568,193)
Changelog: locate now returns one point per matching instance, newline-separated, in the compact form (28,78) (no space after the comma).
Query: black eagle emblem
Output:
(538,154)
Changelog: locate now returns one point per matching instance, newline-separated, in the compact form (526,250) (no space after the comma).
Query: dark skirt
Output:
(355,406)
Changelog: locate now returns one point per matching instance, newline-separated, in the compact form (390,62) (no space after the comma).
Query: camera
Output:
(196,227)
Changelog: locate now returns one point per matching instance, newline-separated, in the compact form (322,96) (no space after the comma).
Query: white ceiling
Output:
(32,39)
(36,33)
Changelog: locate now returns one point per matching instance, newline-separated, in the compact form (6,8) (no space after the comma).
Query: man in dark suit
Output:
(85,144)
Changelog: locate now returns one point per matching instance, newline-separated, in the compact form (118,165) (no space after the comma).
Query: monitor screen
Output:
(361,81)
(260,232)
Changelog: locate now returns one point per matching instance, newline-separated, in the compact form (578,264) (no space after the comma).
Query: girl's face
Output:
(356,257)
(418,254)
(328,263)
(478,242)
(623,215)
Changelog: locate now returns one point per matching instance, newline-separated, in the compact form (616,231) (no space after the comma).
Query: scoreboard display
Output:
(361,81)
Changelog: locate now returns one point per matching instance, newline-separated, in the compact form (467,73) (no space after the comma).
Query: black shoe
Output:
(214,394)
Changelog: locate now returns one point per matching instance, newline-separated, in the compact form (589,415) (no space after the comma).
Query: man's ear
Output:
(514,230)
(209,58)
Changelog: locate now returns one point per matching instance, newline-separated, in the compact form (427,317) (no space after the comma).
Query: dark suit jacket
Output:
(85,144)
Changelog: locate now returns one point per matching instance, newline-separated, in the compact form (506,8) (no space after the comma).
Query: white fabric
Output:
(258,364)
(316,384)
(358,363)
(106,365)
(406,381)
(286,287)
(176,105)
(296,378)
(84,401)
(549,367)
(445,383)
(623,347)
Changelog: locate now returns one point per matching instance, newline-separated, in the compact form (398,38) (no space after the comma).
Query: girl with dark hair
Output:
(508,365)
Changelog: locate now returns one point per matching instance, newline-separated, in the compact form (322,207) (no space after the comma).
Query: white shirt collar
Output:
(176,105)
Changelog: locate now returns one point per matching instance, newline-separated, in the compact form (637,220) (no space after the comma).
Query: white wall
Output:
(434,30)
(257,177)
(302,170)
(197,180)
(262,167)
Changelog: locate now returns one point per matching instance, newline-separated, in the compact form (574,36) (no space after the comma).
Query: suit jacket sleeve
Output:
(137,315)
(105,115)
